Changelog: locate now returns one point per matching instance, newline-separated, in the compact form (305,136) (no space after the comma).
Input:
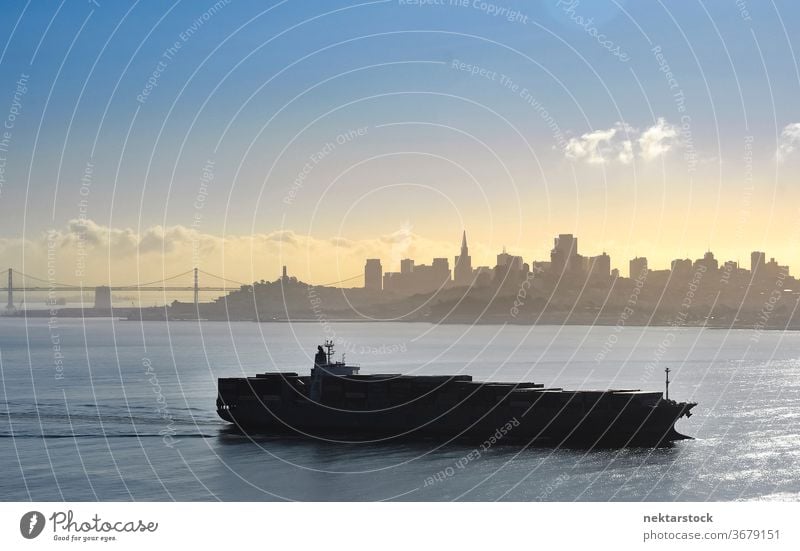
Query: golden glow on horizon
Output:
(122,257)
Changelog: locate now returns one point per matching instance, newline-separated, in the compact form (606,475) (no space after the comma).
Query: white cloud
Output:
(789,140)
(597,147)
(658,140)
(623,143)
(626,155)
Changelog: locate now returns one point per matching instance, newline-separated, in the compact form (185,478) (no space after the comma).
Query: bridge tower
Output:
(102,298)
(196,293)
(10,305)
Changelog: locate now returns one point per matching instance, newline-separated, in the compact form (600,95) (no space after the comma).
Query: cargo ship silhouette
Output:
(336,402)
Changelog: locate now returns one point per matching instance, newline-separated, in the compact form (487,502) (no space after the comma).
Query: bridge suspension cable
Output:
(146,285)
(221,278)
(52,283)
(340,281)
(163,280)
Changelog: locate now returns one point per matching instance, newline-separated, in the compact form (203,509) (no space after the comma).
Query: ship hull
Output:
(369,408)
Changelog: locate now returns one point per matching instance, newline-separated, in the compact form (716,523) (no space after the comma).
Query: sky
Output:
(144,138)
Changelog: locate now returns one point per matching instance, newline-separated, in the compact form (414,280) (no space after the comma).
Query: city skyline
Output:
(565,260)
(80,254)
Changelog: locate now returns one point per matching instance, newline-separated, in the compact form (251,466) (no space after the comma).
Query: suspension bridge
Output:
(102,293)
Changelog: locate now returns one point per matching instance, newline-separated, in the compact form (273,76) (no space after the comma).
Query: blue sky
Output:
(259,88)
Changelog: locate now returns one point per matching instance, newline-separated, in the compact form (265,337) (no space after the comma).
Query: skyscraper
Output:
(373,274)
(406,265)
(462,269)
(757,261)
(509,269)
(637,267)
(681,267)
(599,266)
(564,256)
(708,260)
(509,260)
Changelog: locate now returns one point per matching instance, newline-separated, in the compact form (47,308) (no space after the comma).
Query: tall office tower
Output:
(462,270)
(757,261)
(373,274)
(637,267)
(564,255)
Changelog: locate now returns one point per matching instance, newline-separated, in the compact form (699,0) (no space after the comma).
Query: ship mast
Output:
(666,371)
(329,353)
